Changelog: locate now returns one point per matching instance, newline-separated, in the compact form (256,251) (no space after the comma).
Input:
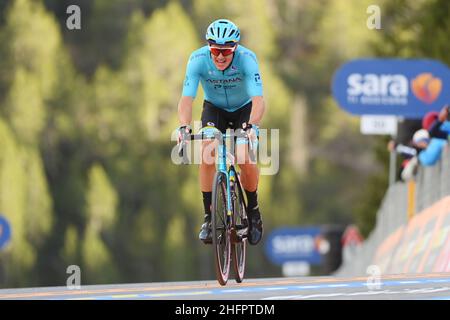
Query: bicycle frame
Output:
(229,172)
(212,133)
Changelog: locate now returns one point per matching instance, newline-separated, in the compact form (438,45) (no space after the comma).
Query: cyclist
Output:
(232,85)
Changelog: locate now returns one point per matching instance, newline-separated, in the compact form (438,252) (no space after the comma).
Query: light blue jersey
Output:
(230,89)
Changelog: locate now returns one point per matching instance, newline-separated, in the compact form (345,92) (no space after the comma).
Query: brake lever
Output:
(182,149)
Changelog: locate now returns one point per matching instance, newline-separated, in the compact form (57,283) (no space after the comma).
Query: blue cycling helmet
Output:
(223,31)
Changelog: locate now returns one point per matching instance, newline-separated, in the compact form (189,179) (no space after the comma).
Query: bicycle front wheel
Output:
(240,223)
(220,228)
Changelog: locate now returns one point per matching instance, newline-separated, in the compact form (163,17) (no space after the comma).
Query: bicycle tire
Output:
(220,229)
(240,222)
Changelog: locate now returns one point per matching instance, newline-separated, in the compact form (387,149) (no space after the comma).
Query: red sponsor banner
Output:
(423,245)
(387,249)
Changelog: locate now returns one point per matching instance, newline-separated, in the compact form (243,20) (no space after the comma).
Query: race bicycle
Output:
(229,221)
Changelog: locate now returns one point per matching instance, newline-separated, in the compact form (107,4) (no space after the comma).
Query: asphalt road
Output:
(389,287)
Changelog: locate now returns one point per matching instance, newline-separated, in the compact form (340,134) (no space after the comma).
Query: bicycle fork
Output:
(222,167)
(231,191)
(235,238)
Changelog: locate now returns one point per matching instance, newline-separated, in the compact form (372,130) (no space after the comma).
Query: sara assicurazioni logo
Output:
(426,88)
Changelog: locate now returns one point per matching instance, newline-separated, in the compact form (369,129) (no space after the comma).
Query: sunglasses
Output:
(224,51)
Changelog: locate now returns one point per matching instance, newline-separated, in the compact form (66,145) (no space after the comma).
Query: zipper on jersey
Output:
(224,88)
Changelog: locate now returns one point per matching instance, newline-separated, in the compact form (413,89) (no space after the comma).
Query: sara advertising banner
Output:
(400,87)
(295,244)
(5,232)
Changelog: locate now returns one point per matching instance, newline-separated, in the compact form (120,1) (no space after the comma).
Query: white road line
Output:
(280,297)
(428,290)
(299,296)
(174,294)
(369,293)
(361,293)
(337,285)
(322,295)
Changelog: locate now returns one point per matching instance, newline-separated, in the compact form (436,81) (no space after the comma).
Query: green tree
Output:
(28,78)
(101,208)
(153,66)
(415,29)
(157,52)
(28,66)
(25,202)
(39,204)
(71,250)
(20,256)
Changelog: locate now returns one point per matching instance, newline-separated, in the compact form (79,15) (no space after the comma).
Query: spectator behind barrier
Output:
(420,141)
(429,119)
(410,169)
(427,143)
(438,126)
(408,152)
(431,148)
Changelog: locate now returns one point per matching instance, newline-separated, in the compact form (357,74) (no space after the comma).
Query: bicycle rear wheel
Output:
(220,230)
(240,222)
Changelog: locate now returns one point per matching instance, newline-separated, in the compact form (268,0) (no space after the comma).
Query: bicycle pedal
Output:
(243,233)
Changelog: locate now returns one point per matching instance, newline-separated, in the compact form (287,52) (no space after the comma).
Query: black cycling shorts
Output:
(222,120)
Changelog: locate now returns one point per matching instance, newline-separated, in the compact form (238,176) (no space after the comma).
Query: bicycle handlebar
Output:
(216,136)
